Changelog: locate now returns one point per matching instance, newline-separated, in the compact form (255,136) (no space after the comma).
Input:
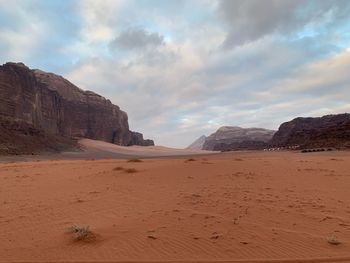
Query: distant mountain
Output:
(229,138)
(39,109)
(197,144)
(326,131)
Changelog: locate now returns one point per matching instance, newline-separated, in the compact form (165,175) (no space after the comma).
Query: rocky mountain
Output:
(326,131)
(48,104)
(197,144)
(229,138)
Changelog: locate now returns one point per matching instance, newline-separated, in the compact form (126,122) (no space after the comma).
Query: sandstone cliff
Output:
(326,131)
(236,138)
(197,144)
(51,104)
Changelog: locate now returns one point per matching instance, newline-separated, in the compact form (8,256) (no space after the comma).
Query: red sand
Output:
(255,207)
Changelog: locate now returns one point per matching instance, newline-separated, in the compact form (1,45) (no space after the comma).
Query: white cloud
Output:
(321,77)
(100,18)
(23,38)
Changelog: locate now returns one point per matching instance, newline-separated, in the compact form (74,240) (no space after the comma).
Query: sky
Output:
(181,69)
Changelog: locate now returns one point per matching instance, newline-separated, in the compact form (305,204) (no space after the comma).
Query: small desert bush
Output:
(333,240)
(190,160)
(119,168)
(313,150)
(134,161)
(82,233)
(130,170)
(127,170)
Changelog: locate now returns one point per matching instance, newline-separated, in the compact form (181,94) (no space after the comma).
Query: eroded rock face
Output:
(197,144)
(326,131)
(137,139)
(229,138)
(50,103)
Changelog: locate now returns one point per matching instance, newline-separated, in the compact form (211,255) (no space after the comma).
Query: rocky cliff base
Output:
(18,137)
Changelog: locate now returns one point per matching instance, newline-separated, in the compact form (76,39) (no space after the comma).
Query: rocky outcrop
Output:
(51,104)
(236,138)
(326,131)
(197,144)
(18,137)
(137,139)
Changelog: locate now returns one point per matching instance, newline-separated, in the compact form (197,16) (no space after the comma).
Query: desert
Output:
(197,131)
(229,207)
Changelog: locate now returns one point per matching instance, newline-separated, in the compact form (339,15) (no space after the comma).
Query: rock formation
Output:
(197,144)
(236,138)
(50,104)
(326,131)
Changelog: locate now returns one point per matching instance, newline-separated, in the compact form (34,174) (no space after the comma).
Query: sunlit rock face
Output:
(229,138)
(52,104)
(326,131)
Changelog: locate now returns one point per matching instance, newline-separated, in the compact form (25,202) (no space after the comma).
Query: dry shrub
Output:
(190,160)
(333,240)
(135,161)
(119,168)
(82,233)
(130,170)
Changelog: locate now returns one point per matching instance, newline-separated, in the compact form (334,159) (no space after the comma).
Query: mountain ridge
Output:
(197,144)
(228,138)
(311,132)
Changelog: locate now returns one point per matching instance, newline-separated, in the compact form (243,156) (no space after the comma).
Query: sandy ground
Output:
(239,207)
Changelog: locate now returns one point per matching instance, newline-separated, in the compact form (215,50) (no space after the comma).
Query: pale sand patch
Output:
(147,151)
(93,149)
(257,207)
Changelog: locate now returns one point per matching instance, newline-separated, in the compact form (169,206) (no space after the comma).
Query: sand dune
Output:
(148,151)
(94,149)
(237,207)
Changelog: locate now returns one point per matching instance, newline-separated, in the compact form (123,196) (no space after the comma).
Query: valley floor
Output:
(237,207)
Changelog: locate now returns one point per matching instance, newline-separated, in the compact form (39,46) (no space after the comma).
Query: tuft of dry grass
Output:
(333,240)
(119,168)
(82,233)
(135,161)
(190,160)
(126,170)
(130,170)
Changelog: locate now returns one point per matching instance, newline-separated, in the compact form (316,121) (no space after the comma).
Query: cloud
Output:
(197,92)
(165,65)
(36,32)
(327,78)
(99,18)
(137,38)
(250,20)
